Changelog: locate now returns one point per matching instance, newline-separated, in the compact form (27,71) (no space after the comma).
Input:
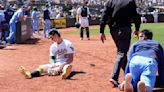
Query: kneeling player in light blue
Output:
(145,57)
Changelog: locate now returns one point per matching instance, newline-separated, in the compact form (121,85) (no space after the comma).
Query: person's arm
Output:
(69,55)
(52,54)
(78,14)
(107,11)
(104,18)
(52,59)
(136,18)
(69,60)
(20,15)
(131,52)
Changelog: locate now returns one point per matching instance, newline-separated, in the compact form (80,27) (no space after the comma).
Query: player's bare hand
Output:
(102,37)
(135,34)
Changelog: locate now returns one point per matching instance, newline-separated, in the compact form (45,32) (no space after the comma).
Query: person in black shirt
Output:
(119,15)
(46,20)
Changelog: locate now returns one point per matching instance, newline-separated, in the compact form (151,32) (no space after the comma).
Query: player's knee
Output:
(82,28)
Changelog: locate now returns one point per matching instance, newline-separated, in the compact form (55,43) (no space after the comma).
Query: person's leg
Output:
(141,86)
(12,38)
(66,71)
(87,28)
(121,38)
(48,24)
(41,70)
(38,26)
(136,68)
(87,32)
(81,33)
(128,85)
(149,74)
(44,28)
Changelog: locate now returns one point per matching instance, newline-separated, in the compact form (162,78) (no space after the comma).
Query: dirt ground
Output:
(92,65)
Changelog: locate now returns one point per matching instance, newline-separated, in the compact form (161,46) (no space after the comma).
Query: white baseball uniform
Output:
(84,22)
(60,52)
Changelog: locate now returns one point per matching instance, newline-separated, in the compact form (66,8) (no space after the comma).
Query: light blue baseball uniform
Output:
(2,18)
(35,21)
(145,57)
(15,18)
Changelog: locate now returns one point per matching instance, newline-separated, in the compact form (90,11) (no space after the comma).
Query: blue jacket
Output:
(151,49)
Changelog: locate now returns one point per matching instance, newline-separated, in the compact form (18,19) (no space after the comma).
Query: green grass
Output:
(156,28)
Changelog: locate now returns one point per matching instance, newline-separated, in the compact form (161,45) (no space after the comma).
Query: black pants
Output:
(121,37)
(82,30)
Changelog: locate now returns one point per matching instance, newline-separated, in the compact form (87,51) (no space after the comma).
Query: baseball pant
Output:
(84,22)
(47,66)
(143,69)
(121,37)
(36,25)
(47,26)
(12,36)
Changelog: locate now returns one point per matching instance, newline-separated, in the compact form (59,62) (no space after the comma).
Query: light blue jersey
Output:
(35,21)
(16,16)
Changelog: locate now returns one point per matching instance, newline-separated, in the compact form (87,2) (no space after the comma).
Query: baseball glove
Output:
(53,71)
(77,25)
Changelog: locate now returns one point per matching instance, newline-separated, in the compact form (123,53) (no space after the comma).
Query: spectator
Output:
(143,19)
(155,16)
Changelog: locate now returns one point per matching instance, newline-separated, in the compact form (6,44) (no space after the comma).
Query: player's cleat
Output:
(128,85)
(66,71)
(25,72)
(114,82)
(141,86)
(81,38)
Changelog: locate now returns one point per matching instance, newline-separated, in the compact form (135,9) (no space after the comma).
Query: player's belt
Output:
(84,17)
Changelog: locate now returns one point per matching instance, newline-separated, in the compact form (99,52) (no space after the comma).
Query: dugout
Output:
(23,30)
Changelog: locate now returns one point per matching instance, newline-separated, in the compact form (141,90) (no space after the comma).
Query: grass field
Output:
(156,28)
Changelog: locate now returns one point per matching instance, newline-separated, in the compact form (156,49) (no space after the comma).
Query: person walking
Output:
(119,15)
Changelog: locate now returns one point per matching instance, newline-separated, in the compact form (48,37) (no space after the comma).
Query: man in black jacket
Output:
(119,15)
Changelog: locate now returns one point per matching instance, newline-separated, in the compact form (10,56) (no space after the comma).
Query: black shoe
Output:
(114,82)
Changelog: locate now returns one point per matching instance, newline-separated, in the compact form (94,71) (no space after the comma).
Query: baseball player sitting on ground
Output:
(61,55)
(145,57)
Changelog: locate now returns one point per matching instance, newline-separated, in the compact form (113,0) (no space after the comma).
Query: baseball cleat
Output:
(66,71)
(128,85)
(114,82)
(25,72)
(141,86)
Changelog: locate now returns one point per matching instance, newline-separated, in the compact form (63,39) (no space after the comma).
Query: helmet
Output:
(77,25)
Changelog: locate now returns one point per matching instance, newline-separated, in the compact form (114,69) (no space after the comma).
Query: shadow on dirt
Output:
(31,41)
(73,73)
